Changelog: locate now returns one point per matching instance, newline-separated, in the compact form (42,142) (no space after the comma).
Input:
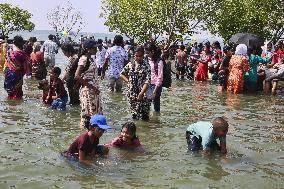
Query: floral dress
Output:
(138,75)
(238,66)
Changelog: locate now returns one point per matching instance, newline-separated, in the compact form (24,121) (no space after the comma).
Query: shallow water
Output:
(32,137)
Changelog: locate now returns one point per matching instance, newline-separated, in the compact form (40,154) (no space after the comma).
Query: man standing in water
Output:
(181,62)
(49,48)
(115,59)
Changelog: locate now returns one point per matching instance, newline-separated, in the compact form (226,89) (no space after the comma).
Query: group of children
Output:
(199,136)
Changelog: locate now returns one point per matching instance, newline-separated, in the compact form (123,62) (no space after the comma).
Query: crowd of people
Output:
(247,69)
(146,70)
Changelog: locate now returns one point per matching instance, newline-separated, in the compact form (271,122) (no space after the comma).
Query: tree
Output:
(152,19)
(65,18)
(13,18)
(264,18)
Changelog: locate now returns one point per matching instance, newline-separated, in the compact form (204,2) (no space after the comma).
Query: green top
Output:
(251,74)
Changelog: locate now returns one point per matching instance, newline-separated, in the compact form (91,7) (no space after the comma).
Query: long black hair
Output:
(155,49)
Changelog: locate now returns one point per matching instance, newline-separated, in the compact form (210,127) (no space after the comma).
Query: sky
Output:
(90,9)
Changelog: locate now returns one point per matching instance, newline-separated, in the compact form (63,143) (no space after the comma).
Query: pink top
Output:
(156,79)
(119,143)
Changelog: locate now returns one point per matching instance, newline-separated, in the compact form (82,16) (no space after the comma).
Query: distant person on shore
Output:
(137,76)
(15,69)
(87,76)
(100,56)
(87,145)
(70,70)
(127,138)
(39,71)
(57,87)
(202,136)
(49,48)
(116,58)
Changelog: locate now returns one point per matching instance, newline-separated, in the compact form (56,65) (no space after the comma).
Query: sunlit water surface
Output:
(32,137)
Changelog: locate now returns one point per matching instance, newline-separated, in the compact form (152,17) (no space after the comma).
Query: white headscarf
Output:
(241,49)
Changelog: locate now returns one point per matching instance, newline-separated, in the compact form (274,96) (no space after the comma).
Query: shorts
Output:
(195,143)
(60,103)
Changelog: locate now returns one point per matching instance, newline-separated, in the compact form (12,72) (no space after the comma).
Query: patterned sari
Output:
(14,71)
(237,67)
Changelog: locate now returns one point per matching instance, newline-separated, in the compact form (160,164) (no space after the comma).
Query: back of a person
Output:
(237,62)
(50,48)
(117,57)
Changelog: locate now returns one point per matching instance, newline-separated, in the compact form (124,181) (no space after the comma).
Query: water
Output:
(33,136)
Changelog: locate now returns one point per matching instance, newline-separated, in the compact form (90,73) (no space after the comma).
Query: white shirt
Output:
(49,48)
(100,57)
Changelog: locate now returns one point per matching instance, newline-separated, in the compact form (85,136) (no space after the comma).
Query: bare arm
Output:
(104,67)
(82,158)
(123,78)
(223,148)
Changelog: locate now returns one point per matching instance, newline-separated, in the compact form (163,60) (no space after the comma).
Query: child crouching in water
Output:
(87,144)
(57,87)
(203,135)
(127,137)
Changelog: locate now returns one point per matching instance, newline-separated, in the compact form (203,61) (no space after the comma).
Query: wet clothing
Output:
(70,70)
(57,86)
(251,74)
(223,73)
(203,131)
(201,73)
(39,70)
(238,66)
(90,101)
(119,142)
(138,75)
(15,68)
(84,144)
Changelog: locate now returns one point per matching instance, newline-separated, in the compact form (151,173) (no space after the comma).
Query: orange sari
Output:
(237,67)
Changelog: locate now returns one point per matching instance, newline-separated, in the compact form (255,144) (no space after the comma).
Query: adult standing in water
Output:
(115,59)
(100,56)
(15,69)
(69,75)
(87,76)
(49,48)
(137,76)
(156,66)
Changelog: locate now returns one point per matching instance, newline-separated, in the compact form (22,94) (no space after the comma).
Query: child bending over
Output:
(203,135)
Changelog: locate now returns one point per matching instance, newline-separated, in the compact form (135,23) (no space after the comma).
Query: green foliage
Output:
(262,17)
(150,19)
(13,18)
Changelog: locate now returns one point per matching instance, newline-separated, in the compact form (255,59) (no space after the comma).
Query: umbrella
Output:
(249,39)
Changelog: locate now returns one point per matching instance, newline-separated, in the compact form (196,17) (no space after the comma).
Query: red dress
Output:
(238,66)
(202,68)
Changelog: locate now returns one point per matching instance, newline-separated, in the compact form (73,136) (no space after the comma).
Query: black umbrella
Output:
(249,39)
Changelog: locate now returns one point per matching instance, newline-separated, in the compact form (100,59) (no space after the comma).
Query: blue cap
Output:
(100,121)
(89,43)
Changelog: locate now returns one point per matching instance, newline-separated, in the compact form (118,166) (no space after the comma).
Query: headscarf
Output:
(241,49)
(36,46)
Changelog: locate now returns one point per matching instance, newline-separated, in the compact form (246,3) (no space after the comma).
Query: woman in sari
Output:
(15,69)
(237,67)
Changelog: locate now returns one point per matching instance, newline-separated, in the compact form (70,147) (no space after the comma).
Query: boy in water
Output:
(57,87)
(203,135)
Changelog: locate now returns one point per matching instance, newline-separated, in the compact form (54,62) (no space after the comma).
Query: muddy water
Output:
(32,137)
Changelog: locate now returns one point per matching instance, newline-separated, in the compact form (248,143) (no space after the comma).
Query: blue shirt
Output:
(205,131)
